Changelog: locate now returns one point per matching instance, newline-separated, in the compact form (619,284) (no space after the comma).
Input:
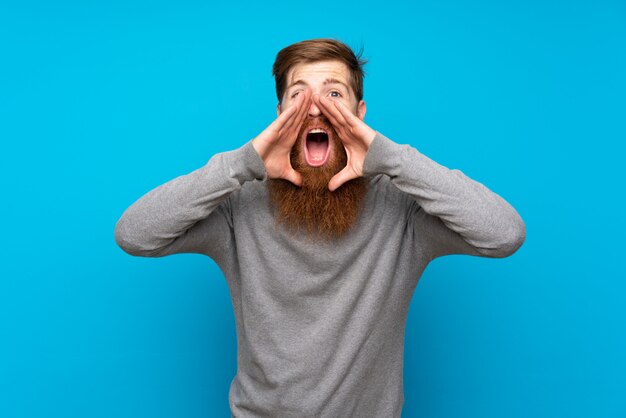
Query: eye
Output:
(335,92)
(295,94)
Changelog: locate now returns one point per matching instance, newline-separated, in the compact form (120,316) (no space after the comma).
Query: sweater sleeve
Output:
(455,214)
(190,213)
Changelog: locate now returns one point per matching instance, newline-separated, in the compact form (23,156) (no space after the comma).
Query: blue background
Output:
(103,101)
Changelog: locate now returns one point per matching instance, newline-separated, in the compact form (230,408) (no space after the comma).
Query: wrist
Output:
(369,137)
(257,144)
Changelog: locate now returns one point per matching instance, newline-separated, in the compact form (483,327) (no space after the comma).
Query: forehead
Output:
(319,71)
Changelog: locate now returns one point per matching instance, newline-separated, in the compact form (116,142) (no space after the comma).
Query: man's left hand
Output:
(355,135)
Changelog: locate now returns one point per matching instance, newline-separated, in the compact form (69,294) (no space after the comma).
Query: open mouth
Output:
(316,147)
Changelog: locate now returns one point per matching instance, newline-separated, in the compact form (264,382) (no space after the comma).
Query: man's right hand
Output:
(274,144)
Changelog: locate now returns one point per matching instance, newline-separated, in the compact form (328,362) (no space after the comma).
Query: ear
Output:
(278,110)
(361,109)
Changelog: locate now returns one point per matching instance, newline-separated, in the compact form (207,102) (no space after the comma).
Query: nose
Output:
(314,111)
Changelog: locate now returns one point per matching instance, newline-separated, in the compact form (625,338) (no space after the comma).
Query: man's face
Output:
(318,154)
(317,143)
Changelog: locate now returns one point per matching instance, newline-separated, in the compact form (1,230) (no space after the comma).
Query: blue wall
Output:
(101,102)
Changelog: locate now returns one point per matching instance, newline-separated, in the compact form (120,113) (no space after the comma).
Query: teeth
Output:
(317,131)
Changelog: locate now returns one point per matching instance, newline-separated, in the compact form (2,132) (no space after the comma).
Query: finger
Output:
(340,178)
(332,104)
(289,134)
(336,119)
(283,118)
(296,121)
(306,104)
(331,112)
(349,117)
(294,177)
(324,108)
(297,107)
(326,111)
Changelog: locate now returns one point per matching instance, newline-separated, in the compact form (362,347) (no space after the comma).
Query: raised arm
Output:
(191,213)
(459,215)
(174,217)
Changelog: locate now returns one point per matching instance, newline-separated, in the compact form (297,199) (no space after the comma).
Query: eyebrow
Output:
(327,81)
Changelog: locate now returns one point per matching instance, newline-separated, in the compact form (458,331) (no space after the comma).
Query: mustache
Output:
(316,121)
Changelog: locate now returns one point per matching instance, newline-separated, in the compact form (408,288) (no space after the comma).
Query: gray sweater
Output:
(320,326)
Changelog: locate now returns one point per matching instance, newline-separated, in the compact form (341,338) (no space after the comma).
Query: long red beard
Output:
(312,208)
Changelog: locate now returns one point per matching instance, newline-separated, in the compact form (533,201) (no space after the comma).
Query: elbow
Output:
(124,241)
(133,244)
(512,239)
(514,243)
(121,239)
(508,241)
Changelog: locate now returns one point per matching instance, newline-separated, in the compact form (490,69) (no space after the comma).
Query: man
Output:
(322,227)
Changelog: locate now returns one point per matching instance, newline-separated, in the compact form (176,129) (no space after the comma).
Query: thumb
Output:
(340,178)
(294,177)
